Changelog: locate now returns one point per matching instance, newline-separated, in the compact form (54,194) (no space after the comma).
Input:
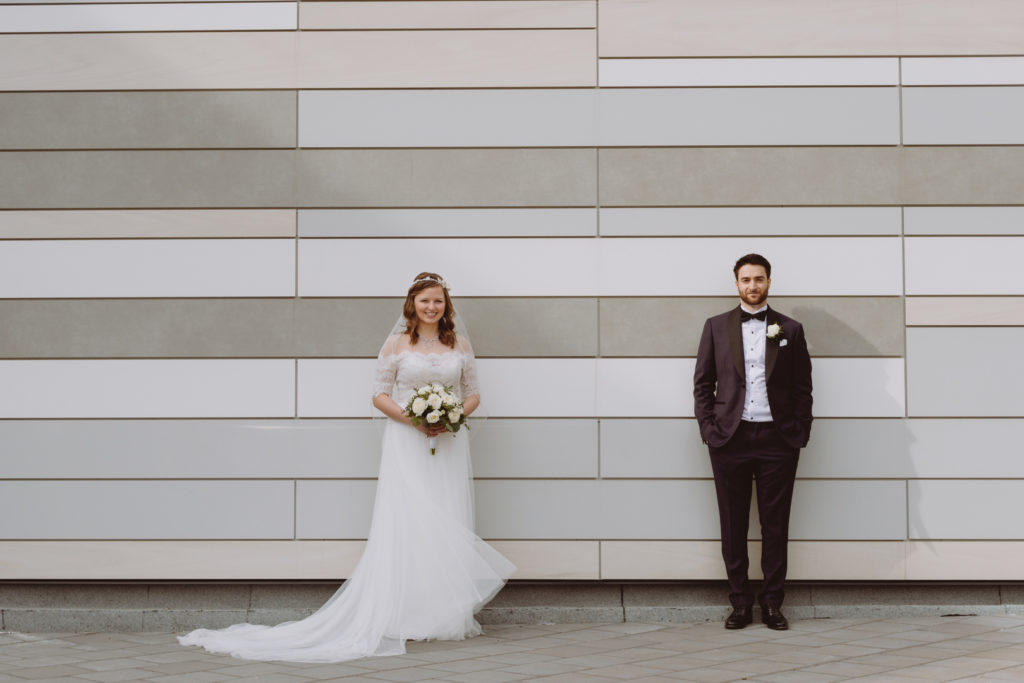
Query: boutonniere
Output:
(775,333)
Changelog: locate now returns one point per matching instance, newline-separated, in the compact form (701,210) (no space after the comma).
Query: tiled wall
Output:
(209,209)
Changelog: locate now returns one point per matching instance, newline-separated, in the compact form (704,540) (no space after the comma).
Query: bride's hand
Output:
(431,430)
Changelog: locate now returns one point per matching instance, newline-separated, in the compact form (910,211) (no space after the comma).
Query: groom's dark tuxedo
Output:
(765,450)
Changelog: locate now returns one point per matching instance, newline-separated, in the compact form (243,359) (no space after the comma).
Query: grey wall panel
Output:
(448,118)
(963,220)
(491,177)
(849,511)
(982,510)
(963,116)
(748,116)
(334,509)
(147,509)
(147,328)
(653,449)
(964,372)
(633,116)
(143,179)
(839,448)
(837,326)
(531,327)
(657,28)
(811,176)
(447,222)
(535,449)
(752,220)
(180,449)
(538,509)
(123,120)
(965,448)
(658,509)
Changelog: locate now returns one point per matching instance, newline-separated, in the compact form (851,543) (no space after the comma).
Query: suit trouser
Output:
(756,452)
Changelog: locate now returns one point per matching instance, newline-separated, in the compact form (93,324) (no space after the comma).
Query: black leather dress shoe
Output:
(739,618)
(773,618)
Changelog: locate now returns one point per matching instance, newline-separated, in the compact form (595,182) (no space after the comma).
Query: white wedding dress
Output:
(424,572)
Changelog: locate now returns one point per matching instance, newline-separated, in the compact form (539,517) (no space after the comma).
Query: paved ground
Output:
(892,649)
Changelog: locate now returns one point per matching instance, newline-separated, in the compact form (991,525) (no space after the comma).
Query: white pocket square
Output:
(783,342)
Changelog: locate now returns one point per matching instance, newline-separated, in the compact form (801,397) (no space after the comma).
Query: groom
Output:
(752,399)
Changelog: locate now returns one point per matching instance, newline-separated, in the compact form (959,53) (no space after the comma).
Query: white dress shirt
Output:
(755,339)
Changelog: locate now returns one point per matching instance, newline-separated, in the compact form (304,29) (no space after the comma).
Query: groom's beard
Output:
(754,301)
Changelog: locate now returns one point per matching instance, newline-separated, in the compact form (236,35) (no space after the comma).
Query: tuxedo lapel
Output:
(771,350)
(732,325)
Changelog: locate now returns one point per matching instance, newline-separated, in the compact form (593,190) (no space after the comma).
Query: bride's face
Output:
(429,305)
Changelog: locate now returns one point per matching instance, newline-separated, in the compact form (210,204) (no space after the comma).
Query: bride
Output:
(424,572)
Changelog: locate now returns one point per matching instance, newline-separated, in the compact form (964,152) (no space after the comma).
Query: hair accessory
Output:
(431,279)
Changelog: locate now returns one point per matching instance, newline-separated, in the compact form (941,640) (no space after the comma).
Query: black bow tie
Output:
(761,315)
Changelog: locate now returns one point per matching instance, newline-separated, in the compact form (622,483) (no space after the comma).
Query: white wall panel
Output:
(146,268)
(187,16)
(447,118)
(937,448)
(965,372)
(146,388)
(637,387)
(963,71)
(640,509)
(858,387)
(446,222)
(963,220)
(147,509)
(653,449)
(555,267)
(756,220)
(334,509)
(963,116)
(147,223)
(963,265)
(448,14)
(748,71)
(551,509)
(703,266)
(534,449)
(336,387)
(748,116)
(849,511)
(959,510)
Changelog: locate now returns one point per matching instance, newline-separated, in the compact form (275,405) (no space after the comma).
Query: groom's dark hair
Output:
(752,260)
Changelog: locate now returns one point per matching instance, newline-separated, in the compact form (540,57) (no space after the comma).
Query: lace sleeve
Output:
(468,383)
(387,371)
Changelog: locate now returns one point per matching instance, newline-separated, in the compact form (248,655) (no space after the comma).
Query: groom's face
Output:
(752,283)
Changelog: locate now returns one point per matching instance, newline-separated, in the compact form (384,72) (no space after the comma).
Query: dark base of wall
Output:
(73,607)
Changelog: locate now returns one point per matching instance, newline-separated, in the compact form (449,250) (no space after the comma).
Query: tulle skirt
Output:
(423,575)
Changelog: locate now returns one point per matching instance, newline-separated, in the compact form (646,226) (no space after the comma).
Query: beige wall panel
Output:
(552,560)
(965,560)
(812,176)
(194,560)
(447,59)
(957,310)
(668,28)
(423,178)
(448,14)
(258,560)
(140,179)
(146,224)
(147,61)
(147,120)
(840,326)
(164,16)
(702,560)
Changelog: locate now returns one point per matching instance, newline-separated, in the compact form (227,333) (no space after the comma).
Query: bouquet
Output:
(435,404)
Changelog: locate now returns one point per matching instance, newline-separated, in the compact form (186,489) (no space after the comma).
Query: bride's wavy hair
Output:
(446,324)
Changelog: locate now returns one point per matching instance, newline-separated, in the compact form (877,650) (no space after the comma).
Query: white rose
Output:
(774,329)
(436,388)
(424,391)
(418,406)
(434,401)
(448,400)
(433,416)
(454,415)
